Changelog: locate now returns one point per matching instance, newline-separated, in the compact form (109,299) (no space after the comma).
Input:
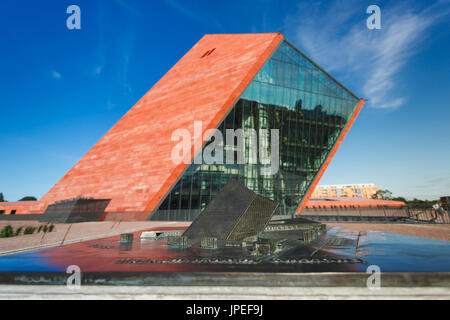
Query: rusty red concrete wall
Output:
(21,207)
(132,163)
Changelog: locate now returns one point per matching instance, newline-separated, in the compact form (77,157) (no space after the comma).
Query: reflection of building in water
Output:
(362,190)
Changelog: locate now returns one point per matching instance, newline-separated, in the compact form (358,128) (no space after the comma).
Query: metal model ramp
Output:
(234,214)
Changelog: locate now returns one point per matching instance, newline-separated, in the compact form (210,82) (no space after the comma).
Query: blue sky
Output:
(61,89)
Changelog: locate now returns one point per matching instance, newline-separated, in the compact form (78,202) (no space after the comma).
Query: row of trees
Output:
(27,198)
(387,195)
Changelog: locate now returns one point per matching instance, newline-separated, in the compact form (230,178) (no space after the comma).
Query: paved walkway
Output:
(76,232)
(431,231)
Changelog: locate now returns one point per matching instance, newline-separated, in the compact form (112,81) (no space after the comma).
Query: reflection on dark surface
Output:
(337,250)
(398,253)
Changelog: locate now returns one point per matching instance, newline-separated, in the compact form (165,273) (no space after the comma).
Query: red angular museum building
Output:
(225,81)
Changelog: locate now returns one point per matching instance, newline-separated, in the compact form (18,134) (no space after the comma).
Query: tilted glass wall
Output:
(290,94)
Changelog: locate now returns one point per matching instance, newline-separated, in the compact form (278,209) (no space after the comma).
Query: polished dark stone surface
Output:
(337,250)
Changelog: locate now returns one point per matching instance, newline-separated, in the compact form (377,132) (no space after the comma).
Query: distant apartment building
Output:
(362,190)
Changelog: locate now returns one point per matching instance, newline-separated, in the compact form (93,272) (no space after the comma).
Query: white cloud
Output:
(98,70)
(336,37)
(110,105)
(195,15)
(56,75)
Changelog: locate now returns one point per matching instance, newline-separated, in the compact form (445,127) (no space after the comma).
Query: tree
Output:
(28,198)
(400,199)
(421,203)
(382,194)
(2,199)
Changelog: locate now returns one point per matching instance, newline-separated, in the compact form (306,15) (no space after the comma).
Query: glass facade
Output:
(291,94)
